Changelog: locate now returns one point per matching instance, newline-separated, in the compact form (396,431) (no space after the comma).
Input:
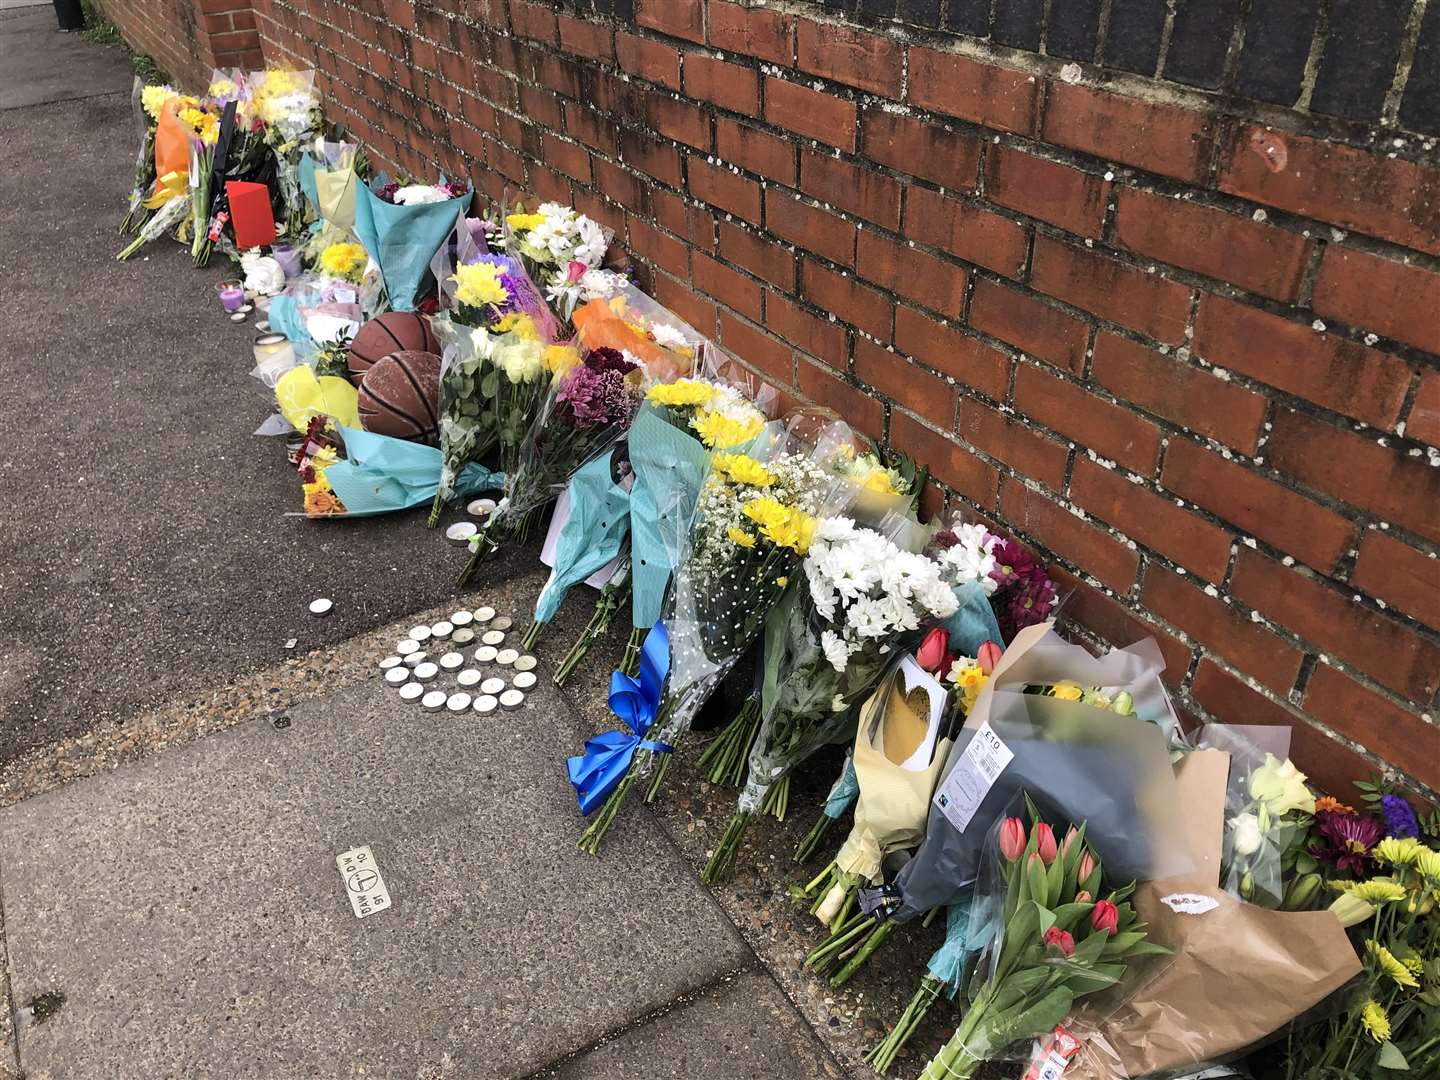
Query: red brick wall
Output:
(189,38)
(1190,357)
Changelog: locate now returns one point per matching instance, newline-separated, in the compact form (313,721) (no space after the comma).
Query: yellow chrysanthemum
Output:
(558,359)
(680,393)
(1376,1021)
(524,222)
(743,469)
(343,261)
(1375,891)
(1427,864)
(153,99)
(506,324)
(1413,964)
(192,117)
(1398,851)
(221,88)
(719,431)
(1385,960)
(879,481)
(478,284)
(741,537)
(766,511)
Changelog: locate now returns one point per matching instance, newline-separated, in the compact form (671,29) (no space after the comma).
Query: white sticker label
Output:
(363,883)
(1184,903)
(983,760)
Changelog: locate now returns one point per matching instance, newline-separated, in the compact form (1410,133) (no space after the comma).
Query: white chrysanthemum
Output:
(600,284)
(590,243)
(668,336)
(419,195)
(835,649)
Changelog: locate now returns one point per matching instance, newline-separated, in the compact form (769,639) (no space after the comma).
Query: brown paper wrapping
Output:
(1239,971)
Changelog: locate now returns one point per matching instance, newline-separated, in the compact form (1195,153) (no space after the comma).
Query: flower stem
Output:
(721,866)
(630,661)
(598,624)
(435,508)
(882,1056)
(724,760)
(823,957)
(856,962)
(777,798)
(590,839)
(533,635)
(660,771)
(806,849)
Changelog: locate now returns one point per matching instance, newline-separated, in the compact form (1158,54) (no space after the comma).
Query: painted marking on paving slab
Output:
(363,883)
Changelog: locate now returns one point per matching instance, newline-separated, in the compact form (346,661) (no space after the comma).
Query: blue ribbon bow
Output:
(636,701)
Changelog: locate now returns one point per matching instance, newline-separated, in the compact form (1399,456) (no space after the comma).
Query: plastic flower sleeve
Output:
(381,475)
(1256,838)
(403,239)
(973,623)
(667,346)
(1079,762)
(592,535)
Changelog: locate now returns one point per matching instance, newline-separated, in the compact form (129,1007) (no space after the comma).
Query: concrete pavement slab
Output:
(39,63)
(741,1030)
(189,910)
(150,547)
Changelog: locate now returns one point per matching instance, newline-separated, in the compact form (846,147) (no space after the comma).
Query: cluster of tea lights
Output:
(414,673)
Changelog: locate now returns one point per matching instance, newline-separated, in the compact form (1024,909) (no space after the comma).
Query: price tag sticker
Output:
(1190,903)
(981,763)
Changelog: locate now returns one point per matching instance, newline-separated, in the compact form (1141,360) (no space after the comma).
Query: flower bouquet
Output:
(288,110)
(1057,941)
(180,122)
(632,322)
(588,406)
(899,750)
(145,102)
(328,174)
(753,523)
(402,226)
(484,403)
(562,250)
(863,598)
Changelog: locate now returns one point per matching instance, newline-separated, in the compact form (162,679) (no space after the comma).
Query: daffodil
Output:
(1376,1020)
(1385,960)
(478,284)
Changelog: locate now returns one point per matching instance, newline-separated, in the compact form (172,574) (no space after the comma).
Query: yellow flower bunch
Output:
(1374,891)
(784,526)
(524,222)
(1386,961)
(345,261)
(1427,864)
(1376,1020)
(478,284)
(719,431)
(1398,851)
(879,481)
(1067,691)
(741,537)
(743,469)
(201,122)
(969,680)
(155,97)
(681,393)
(558,359)
(220,88)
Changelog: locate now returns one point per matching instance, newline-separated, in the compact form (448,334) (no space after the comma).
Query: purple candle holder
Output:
(289,258)
(232,295)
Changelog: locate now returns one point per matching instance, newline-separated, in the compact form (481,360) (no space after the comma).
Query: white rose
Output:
(1246,829)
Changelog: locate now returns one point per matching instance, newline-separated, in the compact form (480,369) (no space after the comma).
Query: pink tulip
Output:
(1045,843)
(1105,917)
(1012,838)
(932,654)
(1071,835)
(1086,867)
(988,657)
(1060,939)
(1083,896)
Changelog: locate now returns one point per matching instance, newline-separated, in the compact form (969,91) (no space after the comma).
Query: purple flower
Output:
(607,359)
(1029,600)
(1012,563)
(1400,817)
(1346,839)
(596,397)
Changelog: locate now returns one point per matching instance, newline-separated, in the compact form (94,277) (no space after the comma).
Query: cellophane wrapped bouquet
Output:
(562,250)
(185,128)
(753,524)
(862,600)
(287,107)
(1061,935)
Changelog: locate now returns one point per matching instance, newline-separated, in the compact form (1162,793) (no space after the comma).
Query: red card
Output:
(250,214)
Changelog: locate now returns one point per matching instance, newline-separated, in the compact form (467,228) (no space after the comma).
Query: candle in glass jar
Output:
(232,295)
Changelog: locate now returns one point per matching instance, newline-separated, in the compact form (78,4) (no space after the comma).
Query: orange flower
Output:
(1335,806)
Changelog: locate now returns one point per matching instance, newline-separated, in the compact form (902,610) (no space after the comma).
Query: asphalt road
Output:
(146,550)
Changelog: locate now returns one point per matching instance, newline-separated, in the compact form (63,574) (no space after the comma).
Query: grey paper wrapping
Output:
(1239,971)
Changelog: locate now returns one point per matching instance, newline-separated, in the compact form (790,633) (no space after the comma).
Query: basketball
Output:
(400,397)
(395,331)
